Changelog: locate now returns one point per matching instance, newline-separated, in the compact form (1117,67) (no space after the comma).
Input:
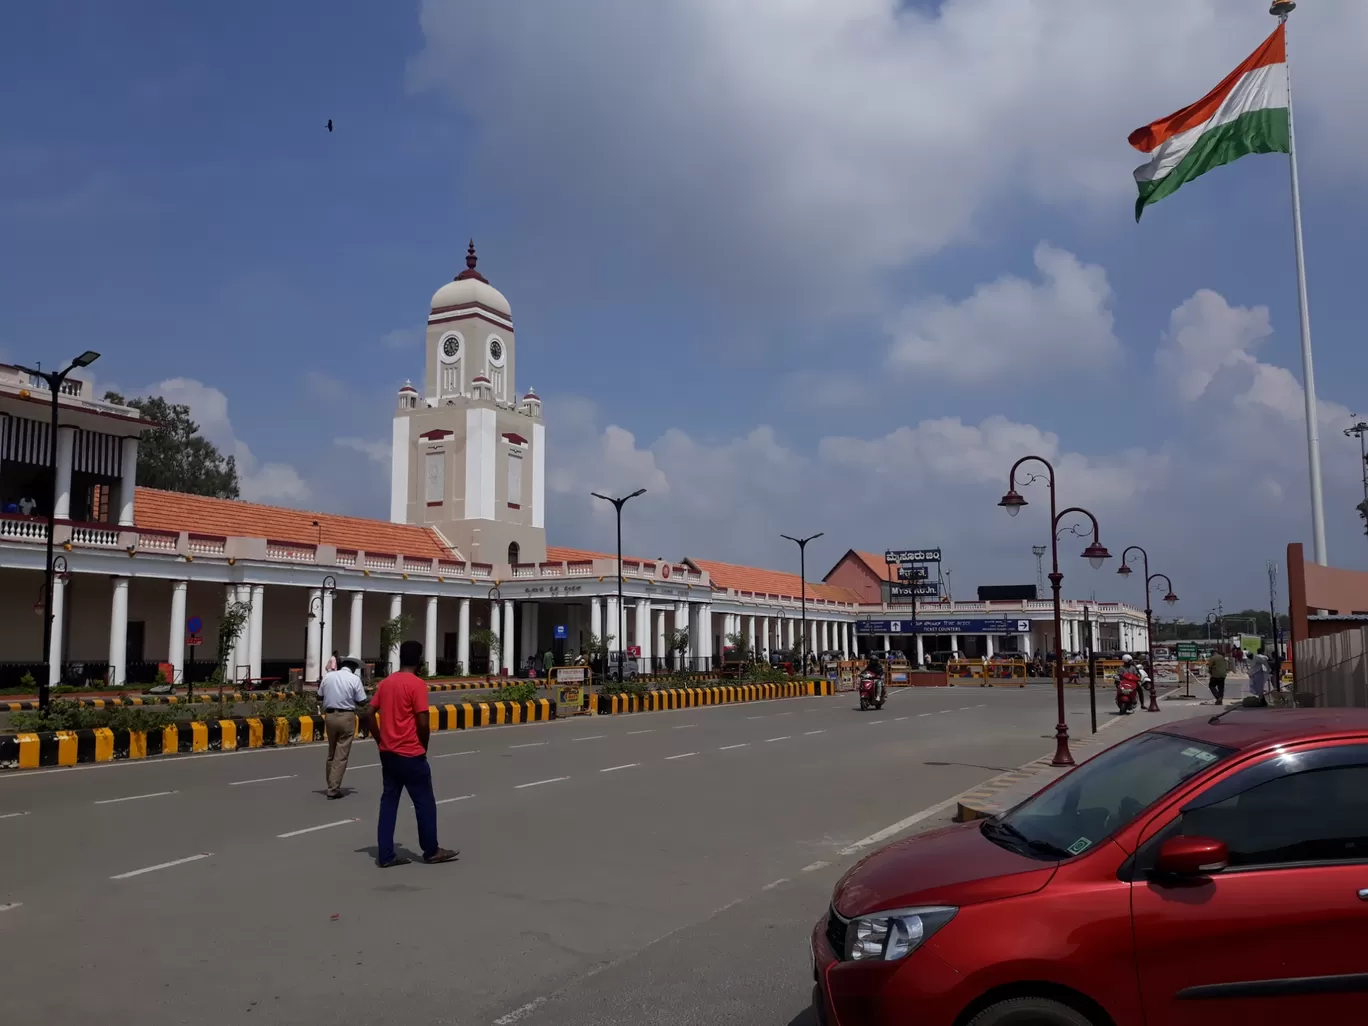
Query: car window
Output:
(1106,793)
(1320,815)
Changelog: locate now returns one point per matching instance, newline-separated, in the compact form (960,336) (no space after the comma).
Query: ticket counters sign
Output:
(939,626)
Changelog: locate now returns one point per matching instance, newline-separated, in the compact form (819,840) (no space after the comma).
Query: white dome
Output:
(469,287)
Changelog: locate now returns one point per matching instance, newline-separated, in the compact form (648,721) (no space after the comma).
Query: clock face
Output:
(451,346)
(495,350)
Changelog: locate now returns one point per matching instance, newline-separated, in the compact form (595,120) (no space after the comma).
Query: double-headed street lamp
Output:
(802,590)
(1169,597)
(1096,553)
(328,590)
(54,381)
(622,613)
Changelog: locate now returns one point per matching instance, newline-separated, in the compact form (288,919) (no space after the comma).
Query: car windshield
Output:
(1102,796)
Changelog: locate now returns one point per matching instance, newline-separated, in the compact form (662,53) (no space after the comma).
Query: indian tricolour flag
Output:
(1247,113)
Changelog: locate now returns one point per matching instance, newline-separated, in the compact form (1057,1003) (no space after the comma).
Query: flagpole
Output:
(1280,10)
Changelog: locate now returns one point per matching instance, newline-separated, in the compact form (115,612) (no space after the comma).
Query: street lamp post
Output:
(802,592)
(622,613)
(54,380)
(1124,570)
(329,588)
(1095,554)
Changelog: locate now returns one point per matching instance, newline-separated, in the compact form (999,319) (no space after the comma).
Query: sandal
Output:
(441,855)
(398,860)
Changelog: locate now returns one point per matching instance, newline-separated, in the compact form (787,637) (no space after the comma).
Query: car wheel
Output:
(1030,1011)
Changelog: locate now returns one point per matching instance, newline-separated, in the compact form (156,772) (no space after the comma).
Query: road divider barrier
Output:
(114,703)
(688,698)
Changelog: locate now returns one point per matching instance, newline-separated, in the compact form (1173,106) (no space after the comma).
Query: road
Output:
(658,867)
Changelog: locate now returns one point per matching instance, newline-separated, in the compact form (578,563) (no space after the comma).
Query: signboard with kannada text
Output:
(913,572)
(569,674)
(1186,652)
(194,639)
(964,626)
(912,555)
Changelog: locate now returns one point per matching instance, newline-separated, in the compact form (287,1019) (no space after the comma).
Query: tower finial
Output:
(471,261)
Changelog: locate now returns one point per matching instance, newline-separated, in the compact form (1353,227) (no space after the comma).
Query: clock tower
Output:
(468,453)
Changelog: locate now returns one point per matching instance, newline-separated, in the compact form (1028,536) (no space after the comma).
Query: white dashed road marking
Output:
(809,733)
(11,815)
(683,755)
(591,737)
(452,755)
(263,780)
(625,765)
(772,886)
(538,783)
(530,744)
(631,732)
(321,826)
(134,797)
(448,801)
(12,904)
(728,748)
(518,1013)
(163,865)
(815,866)
(785,737)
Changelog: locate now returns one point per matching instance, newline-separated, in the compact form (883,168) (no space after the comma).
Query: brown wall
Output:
(853,573)
(1313,588)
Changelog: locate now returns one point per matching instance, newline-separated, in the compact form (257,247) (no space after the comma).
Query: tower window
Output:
(513,552)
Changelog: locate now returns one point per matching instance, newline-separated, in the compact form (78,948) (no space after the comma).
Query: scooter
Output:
(870,692)
(1127,692)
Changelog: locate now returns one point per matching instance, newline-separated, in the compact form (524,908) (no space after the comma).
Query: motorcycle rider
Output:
(875,669)
(1133,668)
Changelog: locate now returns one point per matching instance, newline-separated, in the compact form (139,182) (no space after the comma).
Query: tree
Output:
(740,646)
(1362,507)
(174,456)
(677,641)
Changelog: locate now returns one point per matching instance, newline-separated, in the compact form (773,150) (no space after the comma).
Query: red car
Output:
(1205,872)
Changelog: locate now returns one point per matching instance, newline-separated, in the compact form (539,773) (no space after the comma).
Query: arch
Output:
(514,551)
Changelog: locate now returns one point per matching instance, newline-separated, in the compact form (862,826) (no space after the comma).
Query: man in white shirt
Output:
(341,695)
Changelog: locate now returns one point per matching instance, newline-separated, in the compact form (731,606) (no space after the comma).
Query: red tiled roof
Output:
(172,511)
(557,553)
(875,563)
(769,582)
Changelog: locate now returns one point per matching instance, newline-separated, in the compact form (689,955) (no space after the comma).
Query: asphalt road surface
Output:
(658,867)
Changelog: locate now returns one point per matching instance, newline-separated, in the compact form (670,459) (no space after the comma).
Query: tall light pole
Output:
(54,380)
(1039,552)
(622,613)
(802,591)
(1096,553)
(1169,597)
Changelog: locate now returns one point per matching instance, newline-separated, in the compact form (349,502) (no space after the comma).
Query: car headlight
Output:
(889,936)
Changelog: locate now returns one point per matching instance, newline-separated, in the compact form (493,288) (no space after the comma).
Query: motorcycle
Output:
(871,694)
(1127,692)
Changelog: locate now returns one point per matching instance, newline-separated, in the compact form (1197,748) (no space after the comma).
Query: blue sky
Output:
(793,268)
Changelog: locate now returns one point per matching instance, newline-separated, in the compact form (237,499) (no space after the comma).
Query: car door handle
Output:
(1363,894)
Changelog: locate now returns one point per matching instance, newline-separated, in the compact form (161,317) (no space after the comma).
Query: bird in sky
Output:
(329,124)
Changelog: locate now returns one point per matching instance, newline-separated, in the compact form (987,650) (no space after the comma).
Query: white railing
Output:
(380,561)
(552,569)
(450,566)
(158,541)
(23,529)
(295,552)
(206,545)
(580,568)
(414,565)
(95,537)
(521,570)
(346,557)
(693,575)
(481,569)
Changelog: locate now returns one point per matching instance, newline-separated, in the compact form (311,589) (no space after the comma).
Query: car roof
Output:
(1253,728)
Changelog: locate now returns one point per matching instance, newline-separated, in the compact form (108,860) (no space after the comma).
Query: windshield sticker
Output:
(1199,755)
(1079,845)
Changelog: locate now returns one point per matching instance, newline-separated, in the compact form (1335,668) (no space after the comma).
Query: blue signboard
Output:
(194,625)
(560,631)
(995,626)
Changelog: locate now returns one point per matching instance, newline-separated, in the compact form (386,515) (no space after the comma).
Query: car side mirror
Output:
(1189,857)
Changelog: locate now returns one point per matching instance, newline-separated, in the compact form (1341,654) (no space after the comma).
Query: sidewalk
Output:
(1010,789)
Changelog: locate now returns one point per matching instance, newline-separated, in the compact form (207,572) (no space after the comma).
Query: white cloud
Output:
(402,338)
(799,150)
(1012,328)
(376,452)
(259,482)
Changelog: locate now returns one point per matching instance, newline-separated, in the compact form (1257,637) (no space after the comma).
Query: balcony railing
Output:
(579,568)
(346,557)
(552,569)
(450,566)
(157,541)
(414,565)
(381,561)
(207,545)
(17,527)
(483,570)
(294,552)
(95,537)
(523,570)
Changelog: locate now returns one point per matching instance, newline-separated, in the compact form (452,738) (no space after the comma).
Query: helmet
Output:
(1126,658)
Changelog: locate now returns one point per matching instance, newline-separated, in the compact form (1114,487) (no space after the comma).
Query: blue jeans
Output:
(412,772)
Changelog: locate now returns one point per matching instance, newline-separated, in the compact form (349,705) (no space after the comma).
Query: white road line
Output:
(536,783)
(683,755)
(651,731)
(531,744)
(134,797)
(683,726)
(965,708)
(321,826)
(591,737)
(263,780)
(982,706)
(815,866)
(755,717)
(11,815)
(163,865)
(872,722)
(12,904)
(947,711)
(518,1013)
(903,824)
(772,886)
(448,801)
(899,719)
(784,737)
(809,733)
(365,765)
(625,765)
(920,715)
(728,748)
(452,755)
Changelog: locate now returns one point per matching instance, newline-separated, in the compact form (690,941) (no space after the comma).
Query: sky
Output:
(792,266)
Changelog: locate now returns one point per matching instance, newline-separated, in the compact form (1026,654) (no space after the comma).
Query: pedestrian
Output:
(342,697)
(549,662)
(1259,675)
(332,663)
(1217,669)
(400,712)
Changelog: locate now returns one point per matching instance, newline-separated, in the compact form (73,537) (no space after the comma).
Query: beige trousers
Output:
(340,728)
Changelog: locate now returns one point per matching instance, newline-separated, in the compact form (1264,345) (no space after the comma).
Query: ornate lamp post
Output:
(1096,554)
(1124,570)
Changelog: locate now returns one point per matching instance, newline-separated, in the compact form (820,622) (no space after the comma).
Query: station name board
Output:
(994,626)
(912,572)
(912,555)
(927,589)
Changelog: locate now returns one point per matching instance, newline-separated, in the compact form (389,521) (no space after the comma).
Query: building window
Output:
(451,378)
(513,552)
(434,475)
(515,470)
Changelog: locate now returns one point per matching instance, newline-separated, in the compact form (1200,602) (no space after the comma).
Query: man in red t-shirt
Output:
(401,704)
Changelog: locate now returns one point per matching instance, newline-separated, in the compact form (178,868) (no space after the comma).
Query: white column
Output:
(495,650)
(596,618)
(396,609)
(430,636)
(175,641)
(643,632)
(258,599)
(682,622)
(765,637)
(613,624)
(463,636)
(750,635)
(813,646)
(988,645)
(887,642)
(531,633)
(66,443)
(243,649)
(118,631)
(54,652)
(356,625)
(660,651)
(788,634)
(954,644)
(507,637)
(128,481)
(230,595)
(312,662)
(921,651)
(1026,644)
